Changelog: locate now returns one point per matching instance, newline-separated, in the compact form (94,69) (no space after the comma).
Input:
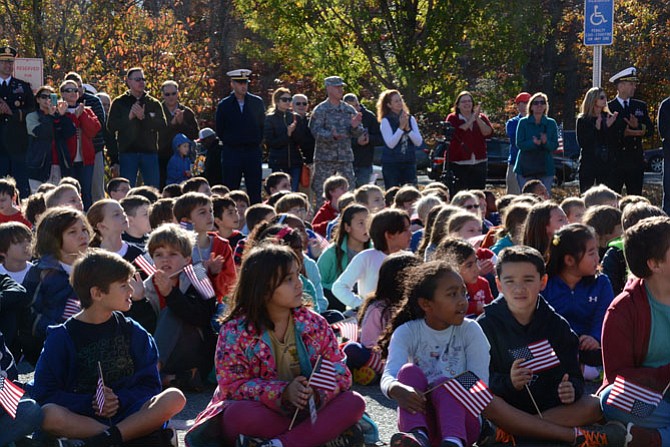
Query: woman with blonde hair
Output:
(537,139)
(401,138)
(596,136)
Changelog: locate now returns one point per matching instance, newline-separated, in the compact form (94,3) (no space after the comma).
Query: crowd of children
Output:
(149,294)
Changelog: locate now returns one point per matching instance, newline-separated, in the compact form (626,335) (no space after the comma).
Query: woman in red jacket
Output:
(80,145)
(467,149)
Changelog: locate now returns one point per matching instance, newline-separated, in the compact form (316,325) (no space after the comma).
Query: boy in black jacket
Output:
(534,351)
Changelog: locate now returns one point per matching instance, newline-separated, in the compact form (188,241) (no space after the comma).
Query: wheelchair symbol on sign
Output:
(597,18)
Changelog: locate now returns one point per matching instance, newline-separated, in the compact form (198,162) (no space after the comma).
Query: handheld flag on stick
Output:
(99,390)
(348,329)
(145,263)
(470,391)
(323,377)
(539,356)
(197,274)
(634,399)
(10,395)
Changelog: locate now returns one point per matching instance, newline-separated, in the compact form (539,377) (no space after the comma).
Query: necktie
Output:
(626,110)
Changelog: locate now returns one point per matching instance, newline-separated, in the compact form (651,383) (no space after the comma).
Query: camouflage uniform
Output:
(332,156)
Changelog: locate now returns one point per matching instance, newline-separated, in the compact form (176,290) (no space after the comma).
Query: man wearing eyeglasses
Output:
(239,125)
(180,119)
(16,101)
(135,119)
(632,124)
(334,123)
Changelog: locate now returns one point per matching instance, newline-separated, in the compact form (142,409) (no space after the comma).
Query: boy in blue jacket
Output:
(179,166)
(101,338)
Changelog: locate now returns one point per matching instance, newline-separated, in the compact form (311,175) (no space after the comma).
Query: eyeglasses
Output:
(285,99)
(539,103)
(170,93)
(44,96)
(69,90)
(470,207)
(138,79)
(299,103)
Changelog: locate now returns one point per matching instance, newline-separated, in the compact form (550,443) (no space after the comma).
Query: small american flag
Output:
(10,395)
(540,356)
(348,329)
(324,375)
(375,362)
(99,390)
(72,307)
(470,391)
(197,274)
(634,399)
(186,225)
(145,263)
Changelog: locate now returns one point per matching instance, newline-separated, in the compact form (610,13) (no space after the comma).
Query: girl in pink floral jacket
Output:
(267,348)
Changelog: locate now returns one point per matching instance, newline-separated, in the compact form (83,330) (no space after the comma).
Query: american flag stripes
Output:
(470,391)
(540,356)
(72,307)
(634,399)
(324,375)
(348,329)
(100,392)
(10,395)
(197,274)
(145,263)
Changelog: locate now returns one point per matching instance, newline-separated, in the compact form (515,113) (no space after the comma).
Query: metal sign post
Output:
(598,31)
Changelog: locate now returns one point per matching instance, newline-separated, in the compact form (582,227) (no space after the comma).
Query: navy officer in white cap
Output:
(239,126)
(631,125)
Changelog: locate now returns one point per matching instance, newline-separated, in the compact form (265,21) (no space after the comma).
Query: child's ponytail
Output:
(571,241)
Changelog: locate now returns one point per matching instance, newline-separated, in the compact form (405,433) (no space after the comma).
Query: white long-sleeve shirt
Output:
(362,270)
(445,353)
(391,139)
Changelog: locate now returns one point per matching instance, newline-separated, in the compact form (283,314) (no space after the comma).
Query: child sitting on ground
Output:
(574,209)
(606,221)
(139,227)
(462,258)
(194,210)
(635,341)
(333,188)
(117,188)
(9,200)
(64,195)
(226,220)
(99,343)
(600,195)
(184,335)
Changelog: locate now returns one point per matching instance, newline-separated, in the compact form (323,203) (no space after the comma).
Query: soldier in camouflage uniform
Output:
(333,124)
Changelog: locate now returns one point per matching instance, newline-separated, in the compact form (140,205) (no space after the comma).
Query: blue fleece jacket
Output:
(179,167)
(57,371)
(585,306)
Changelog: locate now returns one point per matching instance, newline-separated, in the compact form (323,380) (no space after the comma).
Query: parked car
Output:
(497,150)
(653,160)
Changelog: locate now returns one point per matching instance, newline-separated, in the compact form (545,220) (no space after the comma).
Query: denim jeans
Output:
(28,419)
(398,174)
(84,174)
(147,164)
(363,174)
(17,169)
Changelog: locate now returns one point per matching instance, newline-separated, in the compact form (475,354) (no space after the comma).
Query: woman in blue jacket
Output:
(537,139)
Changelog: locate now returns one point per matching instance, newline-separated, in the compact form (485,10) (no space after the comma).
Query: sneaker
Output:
(351,437)
(504,438)
(411,439)
(248,441)
(611,434)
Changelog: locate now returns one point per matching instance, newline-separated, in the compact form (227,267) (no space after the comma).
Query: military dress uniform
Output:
(333,156)
(13,134)
(628,157)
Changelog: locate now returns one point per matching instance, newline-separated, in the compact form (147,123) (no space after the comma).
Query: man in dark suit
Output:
(16,101)
(239,126)
(631,125)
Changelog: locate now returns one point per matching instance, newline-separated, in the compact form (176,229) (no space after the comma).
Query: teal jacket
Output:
(525,132)
(327,264)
